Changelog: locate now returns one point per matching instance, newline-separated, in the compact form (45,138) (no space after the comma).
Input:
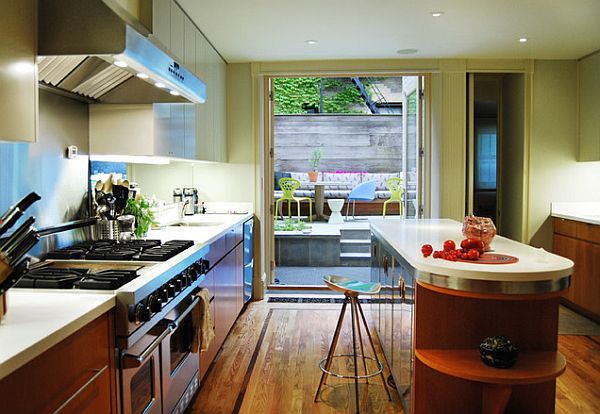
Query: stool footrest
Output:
(358,356)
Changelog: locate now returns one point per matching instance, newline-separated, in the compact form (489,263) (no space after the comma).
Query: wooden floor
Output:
(269,364)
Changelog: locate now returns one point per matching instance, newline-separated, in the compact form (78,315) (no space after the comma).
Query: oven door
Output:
(140,374)
(179,365)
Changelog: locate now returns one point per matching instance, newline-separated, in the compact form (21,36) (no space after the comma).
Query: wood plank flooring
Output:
(269,364)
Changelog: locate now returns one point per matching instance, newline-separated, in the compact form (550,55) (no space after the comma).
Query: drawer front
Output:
(588,232)
(92,397)
(565,227)
(58,377)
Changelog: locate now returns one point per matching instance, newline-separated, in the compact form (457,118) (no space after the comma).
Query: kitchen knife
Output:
(15,212)
(23,247)
(12,239)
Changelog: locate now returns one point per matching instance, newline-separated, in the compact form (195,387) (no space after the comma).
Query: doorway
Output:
(377,136)
(496,148)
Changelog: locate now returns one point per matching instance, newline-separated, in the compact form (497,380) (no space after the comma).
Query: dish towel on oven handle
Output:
(203,322)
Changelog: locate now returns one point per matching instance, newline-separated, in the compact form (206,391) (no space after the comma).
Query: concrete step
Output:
(355,246)
(355,259)
(355,234)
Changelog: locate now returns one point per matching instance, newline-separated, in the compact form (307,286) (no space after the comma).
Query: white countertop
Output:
(203,229)
(37,320)
(407,236)
(586,212)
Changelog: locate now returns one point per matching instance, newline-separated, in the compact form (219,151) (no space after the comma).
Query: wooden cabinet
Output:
(392,314)
(74,376)
(580,242)
(589,107)
(225,278)
(18,71)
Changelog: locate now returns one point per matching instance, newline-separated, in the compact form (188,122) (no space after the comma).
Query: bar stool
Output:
(351,289)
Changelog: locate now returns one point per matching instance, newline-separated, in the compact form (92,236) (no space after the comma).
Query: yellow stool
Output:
(395,186)
(351,289)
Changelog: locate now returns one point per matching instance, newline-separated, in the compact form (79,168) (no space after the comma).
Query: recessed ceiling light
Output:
(160,85)
(311,42)
(523,40)
(174,93)
(436,13)
(407,51)
(142,75)
(120,63)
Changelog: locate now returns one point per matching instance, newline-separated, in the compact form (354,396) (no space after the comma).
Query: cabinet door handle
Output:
(374,250)
(98,373)
(385,265)
(402,288)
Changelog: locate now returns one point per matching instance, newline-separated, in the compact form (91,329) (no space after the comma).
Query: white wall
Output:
(555,174)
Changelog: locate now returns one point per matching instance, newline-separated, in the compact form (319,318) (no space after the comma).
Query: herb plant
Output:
(144,217)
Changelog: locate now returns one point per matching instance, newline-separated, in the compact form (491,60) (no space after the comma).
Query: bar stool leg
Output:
(334,341)
(355,302)
(374,351)
(354,317)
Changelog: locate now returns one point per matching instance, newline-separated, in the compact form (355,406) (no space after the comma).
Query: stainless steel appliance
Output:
(248,259)
(87,48)
(190,201)
(155,285)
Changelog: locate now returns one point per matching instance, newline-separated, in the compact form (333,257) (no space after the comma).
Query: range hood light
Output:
(130,159)
(160,85)
(120,63)
(174,93)
(142,75)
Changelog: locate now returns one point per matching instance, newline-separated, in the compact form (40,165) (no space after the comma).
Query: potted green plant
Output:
(144,217)
(315,160)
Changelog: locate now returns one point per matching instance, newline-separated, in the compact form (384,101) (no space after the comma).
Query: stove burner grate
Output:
(107,279)
(52,278)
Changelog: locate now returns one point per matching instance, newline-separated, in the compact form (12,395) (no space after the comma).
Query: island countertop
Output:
(536,271)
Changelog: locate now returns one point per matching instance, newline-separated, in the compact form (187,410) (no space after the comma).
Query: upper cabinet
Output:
(204,134)
(18,71)
(589,108)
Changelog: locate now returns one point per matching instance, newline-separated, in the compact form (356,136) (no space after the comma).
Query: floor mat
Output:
(277,299)
(572,323)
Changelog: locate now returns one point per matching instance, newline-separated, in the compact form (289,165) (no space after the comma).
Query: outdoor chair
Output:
(395,187)
(362,192)
(289,185)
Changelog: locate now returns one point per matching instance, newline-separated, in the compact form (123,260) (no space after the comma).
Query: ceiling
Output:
(267,30)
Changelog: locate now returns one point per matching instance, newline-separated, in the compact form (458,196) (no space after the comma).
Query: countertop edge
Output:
(472,280)
(34,350)
(582,219)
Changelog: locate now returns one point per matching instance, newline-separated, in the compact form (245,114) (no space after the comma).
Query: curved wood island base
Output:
(432,314)
(450,377)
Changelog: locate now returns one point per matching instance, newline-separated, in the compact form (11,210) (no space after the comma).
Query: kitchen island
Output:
(432,315)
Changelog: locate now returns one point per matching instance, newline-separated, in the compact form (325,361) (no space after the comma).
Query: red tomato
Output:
(436,255)
(473,254)
(468,244)
(427,249)
(449,245)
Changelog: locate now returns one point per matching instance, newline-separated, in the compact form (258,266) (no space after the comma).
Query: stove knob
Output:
(186,279)
(205,265)
(154,303)
(178,284)
(171,289)
(194,271)
(142,313)
(163,294)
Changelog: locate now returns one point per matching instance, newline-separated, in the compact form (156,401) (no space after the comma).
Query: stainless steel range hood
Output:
(87,49)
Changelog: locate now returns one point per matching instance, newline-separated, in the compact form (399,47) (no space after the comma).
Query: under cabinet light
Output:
(142,75)
(160,85)
(120,63)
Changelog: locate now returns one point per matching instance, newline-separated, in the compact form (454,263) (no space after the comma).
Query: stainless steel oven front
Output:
(159,373)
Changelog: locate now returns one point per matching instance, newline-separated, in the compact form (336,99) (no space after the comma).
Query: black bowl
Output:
(498,352)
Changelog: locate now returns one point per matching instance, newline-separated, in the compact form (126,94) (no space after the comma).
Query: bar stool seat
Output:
(351,289)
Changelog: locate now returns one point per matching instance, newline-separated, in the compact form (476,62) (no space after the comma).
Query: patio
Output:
(304,257)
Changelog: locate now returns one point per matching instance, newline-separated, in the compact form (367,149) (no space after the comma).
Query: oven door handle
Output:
(131,360)
(175,324)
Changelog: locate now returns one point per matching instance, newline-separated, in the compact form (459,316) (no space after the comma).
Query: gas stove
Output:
(148,278)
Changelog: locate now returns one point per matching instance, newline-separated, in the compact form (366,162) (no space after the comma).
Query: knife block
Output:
(2,306)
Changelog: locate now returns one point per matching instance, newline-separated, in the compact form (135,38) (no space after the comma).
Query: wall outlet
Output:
(72,152)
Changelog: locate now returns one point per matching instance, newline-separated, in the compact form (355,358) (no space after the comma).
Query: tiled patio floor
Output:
(304,275)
